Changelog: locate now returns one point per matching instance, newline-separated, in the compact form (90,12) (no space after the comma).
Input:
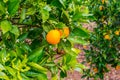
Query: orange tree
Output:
(105,39)
(38,36)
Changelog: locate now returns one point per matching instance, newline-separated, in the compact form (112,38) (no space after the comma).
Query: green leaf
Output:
(30,11)
(36,54)
(104,55)
(60,25)
(22,16)
(19,75)
(42,77)
(77,15)
(54,69)
(63,74)
(46,28)
(2,8)
(38,67)
(31,74)
(15,63)
(5,26)
(50,64)
(2,67)
(79,70)
(55,77)
(23,36)
(81,66)
(79,32)
(77,40)
(69,51)
(35,33)
(5,1)
(58,3)
(26,47)
(19,51)
(65,16)
(15,31)
(24,77)
(77,51)
(45,15)
(62,3)
(13,6)
(3,76)
(68,48)
(11,70)
(73,62)
(39,76)
(44,60)
(66,59)
(3,56)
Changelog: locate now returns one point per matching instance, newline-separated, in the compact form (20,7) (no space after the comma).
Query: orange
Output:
(117,33)
(101,8)
(103,1)
(85,47)
(95,70)
(53,37)
(65,32)
(61,32)
(107,37)
(117,67)
(89,63)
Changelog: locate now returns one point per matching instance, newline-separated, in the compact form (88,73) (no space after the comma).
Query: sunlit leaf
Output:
(22,16)
(2,67)
(30,11)
(55,77)
(38,67)
(42,77)
(77,51)
(19,75)
(2,8)
(77,40)
(3,76)
(24,77)
(45,14)
(5,26)
(15,31)
(11,70)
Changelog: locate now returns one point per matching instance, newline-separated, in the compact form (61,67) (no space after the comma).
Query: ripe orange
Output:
(107,37)
(103,1)
(61,32)
(85,47)
(117,33)
(65,32)
(117,67)
(101,8)
(53,37)
(95,70)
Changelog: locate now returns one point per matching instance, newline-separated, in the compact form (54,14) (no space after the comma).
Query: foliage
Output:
(105,39)
(24,52)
